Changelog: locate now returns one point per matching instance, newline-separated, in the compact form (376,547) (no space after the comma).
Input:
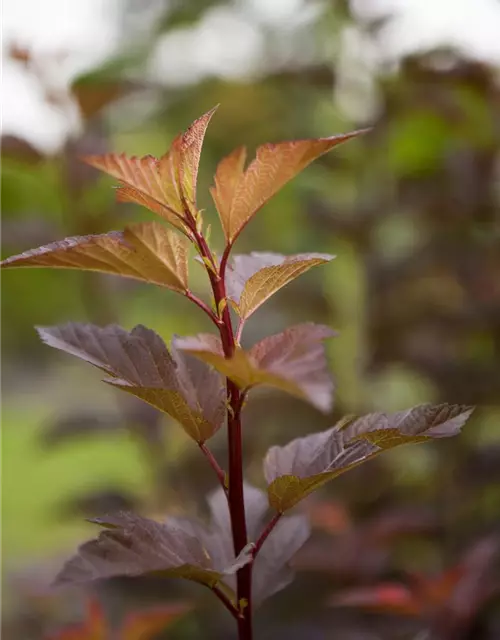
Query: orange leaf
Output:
(239,194)
(146,624)
(390,597)
(93,628)
(146,181)
(190,145)
(228,176)
(167,185)
(145,251)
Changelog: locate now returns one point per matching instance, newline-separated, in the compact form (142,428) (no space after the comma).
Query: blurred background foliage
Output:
(412,212)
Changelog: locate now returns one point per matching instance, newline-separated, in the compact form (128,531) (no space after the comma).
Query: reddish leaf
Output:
(305,464)
(390,597)
(148,252)
(183,547)
(166,185)
(147,624)
(92,96)
(93,628)
(228,177)
(132,546)
(253,278)
(139,363)
(239,194)
(271,570)
(141,625)
(19,149)
(448,598)
(293,361)
(331,517)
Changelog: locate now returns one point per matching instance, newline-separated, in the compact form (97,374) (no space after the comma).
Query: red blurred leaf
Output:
(144,625)
(331,517)
(140,625)
(93,96)
(387,597)
(19,149)
(93,628)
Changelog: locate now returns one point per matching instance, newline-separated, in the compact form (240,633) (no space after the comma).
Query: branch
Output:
(264,535)
(225,601)
(215,465)
(223,262)
(204,307)
(235,491)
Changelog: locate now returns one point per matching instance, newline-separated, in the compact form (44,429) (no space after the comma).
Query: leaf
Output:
(239,194)
(132,546)
(140,625)
(271,571)
(140,363)
(253,278)
(20,150)
(92,95)
(93,628)
(165,185)
(293,361)
(190,145)
(305,464)
(182,547)
(145,251)
(386,597)
(147,624)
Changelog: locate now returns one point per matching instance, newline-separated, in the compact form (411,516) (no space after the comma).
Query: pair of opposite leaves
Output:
(192,392)
(182,547)
(167,186)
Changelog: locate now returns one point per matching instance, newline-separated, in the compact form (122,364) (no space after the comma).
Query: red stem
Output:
(235,490)
(214,464)
(223,262)
(264,535)
(225,601)
(203,306)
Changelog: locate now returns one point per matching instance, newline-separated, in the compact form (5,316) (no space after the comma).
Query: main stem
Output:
(236,497)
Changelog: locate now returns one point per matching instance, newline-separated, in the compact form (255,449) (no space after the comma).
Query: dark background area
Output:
(411,211)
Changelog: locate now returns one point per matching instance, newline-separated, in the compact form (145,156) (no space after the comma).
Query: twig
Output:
(204,307)
(225,601)
(264,535)
(214,464)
